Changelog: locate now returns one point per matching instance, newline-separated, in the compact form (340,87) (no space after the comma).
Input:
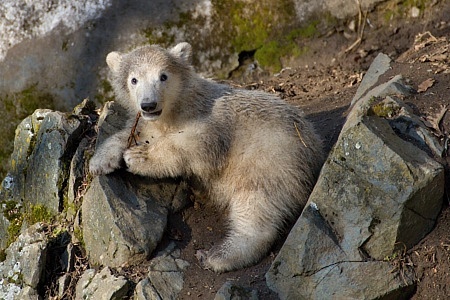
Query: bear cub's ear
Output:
(183,51)
(113,59)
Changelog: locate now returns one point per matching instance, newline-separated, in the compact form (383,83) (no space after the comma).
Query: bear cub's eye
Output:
(163,77)
(134,81)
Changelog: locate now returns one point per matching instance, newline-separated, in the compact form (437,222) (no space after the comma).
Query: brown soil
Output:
(323,83)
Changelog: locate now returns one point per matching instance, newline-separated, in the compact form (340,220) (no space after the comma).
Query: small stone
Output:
(101,285)
(230,291)
(415,12)
(165,277)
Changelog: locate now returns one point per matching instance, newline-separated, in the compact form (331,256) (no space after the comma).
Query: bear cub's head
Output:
(150,79)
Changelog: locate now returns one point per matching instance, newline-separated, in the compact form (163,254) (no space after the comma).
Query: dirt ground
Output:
(323,83)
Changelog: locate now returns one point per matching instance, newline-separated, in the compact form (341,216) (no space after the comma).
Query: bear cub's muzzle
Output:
(150,110)
(149,107)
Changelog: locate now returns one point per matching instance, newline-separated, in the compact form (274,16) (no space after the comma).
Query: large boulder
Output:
(75,38)
(44,146)
(133,209)
(131,223)
(377,195)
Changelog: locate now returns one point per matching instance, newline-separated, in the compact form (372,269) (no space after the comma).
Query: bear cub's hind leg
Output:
(251,235)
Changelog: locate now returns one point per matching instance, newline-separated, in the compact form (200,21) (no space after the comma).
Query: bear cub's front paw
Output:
(135,157)
(104,164)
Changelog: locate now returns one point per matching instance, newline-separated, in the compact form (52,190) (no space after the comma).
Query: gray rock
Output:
(165,276)
(40,164)
(44,145)
(340,9)
(28,293)
(395,86)
(13,186)
(63,285)
(48,166)
(231,291)
(4,224)
(25,260)
(410,126)
(77,171)
(129,226)
(75,39)
(380,65)
(126,201)
(376,196)
(101,285)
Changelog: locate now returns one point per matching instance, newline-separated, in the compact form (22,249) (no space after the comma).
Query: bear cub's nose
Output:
(148,107)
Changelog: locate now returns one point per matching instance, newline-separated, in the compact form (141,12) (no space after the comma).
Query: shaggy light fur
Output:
(253,154)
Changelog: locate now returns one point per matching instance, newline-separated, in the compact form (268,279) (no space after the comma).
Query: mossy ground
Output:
(105,92)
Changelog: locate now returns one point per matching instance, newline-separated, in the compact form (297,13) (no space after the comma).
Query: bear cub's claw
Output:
(215,260)
(135,157)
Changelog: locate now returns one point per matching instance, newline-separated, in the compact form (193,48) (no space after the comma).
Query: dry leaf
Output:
(434,121)
(424,86)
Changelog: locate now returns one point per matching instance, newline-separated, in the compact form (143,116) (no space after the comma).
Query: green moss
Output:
(2,255)
(266,27)
(65,46)
(70,208)
(106,92)
(13,109)
(251,30)
(388,15)
(12,211)
(17,215)
(14,228)
(260,30)
(420,4)
(400,9)
(269,55)
(78,233)
(58,232)
(306,32)
(383,110)
(38,213)
(395,255)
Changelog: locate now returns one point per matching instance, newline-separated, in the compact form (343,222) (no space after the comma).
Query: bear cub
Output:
(253,154)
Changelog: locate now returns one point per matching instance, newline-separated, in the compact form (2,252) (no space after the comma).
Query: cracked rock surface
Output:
(165,277)
(20,273)
(377,195)
(101,285)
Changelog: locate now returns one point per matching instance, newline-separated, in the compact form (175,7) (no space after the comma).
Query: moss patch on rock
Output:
(267,28)
(13,109)
(17,215)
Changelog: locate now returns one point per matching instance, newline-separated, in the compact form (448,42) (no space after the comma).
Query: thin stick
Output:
(132,137)
(361,26)
(299,135)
